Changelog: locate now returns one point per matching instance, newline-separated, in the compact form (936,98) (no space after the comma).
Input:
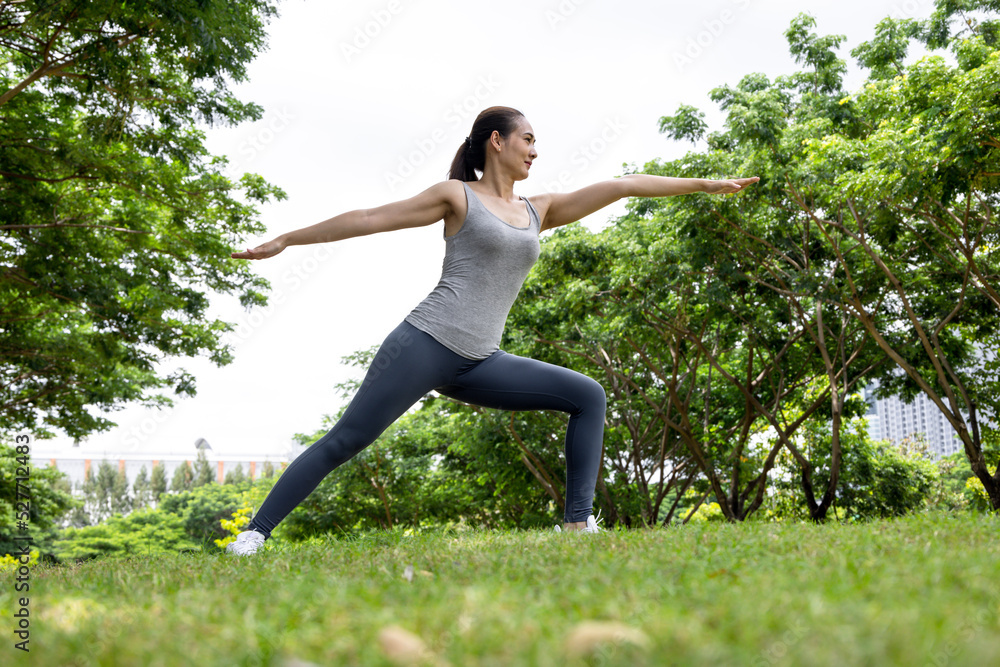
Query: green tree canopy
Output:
(876,209)
(105,493)
(115,221)
(46,493)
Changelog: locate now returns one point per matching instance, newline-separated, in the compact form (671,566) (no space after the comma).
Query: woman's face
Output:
(518,150)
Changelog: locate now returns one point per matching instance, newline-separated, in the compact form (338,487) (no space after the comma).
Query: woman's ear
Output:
(495,139)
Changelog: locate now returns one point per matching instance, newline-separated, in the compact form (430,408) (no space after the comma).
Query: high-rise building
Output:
(892,419)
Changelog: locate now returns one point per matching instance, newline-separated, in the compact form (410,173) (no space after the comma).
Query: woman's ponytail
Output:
(471,155)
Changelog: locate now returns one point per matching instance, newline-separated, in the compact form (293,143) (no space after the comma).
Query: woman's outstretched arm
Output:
(426,208)
(557,209)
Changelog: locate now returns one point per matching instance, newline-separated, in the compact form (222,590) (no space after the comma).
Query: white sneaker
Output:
(592,526)
(246,543)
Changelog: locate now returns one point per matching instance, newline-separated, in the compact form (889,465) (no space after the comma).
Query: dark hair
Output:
(471,155)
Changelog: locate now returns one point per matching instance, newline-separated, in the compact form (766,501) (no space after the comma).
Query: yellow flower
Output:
(10,563)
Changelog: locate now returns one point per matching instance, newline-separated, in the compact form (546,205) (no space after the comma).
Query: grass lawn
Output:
(924,590)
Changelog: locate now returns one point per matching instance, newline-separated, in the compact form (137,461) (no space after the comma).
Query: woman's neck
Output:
(498,185)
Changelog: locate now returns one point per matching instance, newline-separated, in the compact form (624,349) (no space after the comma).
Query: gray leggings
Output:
(409,364)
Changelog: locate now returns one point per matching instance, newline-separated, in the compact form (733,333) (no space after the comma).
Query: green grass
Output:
(923,590)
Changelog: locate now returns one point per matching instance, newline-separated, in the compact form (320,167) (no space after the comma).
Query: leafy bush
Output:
(975,495)
(202,509)
(50,501)
(146,531)
(881,480)
(877,479)
(708,512)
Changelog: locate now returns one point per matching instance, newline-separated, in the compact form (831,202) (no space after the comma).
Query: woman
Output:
(449,342)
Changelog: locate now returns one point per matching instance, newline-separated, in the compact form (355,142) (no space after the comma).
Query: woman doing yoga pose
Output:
(450,342)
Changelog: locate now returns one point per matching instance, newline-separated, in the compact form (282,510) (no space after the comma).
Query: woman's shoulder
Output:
(450,192)
(540,203)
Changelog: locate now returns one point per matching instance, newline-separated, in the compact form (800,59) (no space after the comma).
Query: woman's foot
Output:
(577,525)
(247,543)
(588,526)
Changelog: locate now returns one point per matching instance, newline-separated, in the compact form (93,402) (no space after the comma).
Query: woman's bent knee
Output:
(594,396)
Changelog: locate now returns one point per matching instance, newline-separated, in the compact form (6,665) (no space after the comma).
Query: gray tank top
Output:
(485,264)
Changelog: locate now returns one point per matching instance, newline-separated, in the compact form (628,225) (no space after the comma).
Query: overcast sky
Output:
(366,103)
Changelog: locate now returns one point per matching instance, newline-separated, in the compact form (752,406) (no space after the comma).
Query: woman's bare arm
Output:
(559,209)
(426,208)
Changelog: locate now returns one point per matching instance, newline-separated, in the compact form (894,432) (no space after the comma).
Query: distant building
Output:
(76,463)
(76,467)
(892,419)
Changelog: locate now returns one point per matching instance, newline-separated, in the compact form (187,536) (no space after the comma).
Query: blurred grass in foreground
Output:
(922,590)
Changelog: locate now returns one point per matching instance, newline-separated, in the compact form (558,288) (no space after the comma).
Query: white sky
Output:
(366,103)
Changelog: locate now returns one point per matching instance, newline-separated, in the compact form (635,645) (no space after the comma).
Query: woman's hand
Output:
(263,251)
(730,186)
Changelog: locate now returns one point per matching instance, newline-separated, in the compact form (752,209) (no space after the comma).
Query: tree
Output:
(235,476)
(698,360)
(158,481)
(899,244)
(882,480)
(141,490)
(116,222)
(877,478)
(951,491)
(933,233)
(183,479)
(105,493)
(202,471)
(48,497)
